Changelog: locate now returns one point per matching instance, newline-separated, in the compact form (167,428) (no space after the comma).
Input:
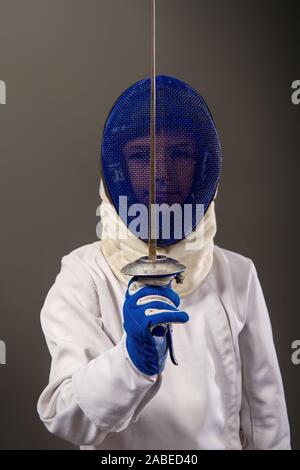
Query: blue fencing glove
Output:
(146,307)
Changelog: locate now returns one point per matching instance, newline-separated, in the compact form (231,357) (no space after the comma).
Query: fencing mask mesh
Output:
(188,158)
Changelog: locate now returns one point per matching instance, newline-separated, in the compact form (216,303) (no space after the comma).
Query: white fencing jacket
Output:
(226,392)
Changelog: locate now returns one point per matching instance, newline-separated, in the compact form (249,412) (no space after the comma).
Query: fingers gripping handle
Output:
(165,329)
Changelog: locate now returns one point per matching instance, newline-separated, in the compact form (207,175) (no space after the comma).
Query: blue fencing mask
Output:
(188,158)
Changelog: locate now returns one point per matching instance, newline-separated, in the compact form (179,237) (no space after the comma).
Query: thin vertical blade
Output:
(152,198)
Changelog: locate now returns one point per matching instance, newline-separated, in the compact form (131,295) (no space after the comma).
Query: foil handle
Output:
(163,329)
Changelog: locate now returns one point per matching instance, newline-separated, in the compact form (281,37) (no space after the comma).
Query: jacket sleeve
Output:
(94,388)
(264,420)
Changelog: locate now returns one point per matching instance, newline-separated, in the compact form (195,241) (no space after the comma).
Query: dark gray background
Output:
(65,62)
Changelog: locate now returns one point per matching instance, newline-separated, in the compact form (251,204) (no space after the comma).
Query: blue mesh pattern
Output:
(188,154)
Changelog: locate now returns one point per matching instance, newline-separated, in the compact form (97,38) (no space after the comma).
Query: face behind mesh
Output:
(188,158)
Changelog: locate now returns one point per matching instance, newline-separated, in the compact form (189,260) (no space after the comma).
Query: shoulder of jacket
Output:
(239,265)
(84,254)
(234,272)
(232,256)
(85,260)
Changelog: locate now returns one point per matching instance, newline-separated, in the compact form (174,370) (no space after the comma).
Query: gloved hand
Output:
(145,307)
